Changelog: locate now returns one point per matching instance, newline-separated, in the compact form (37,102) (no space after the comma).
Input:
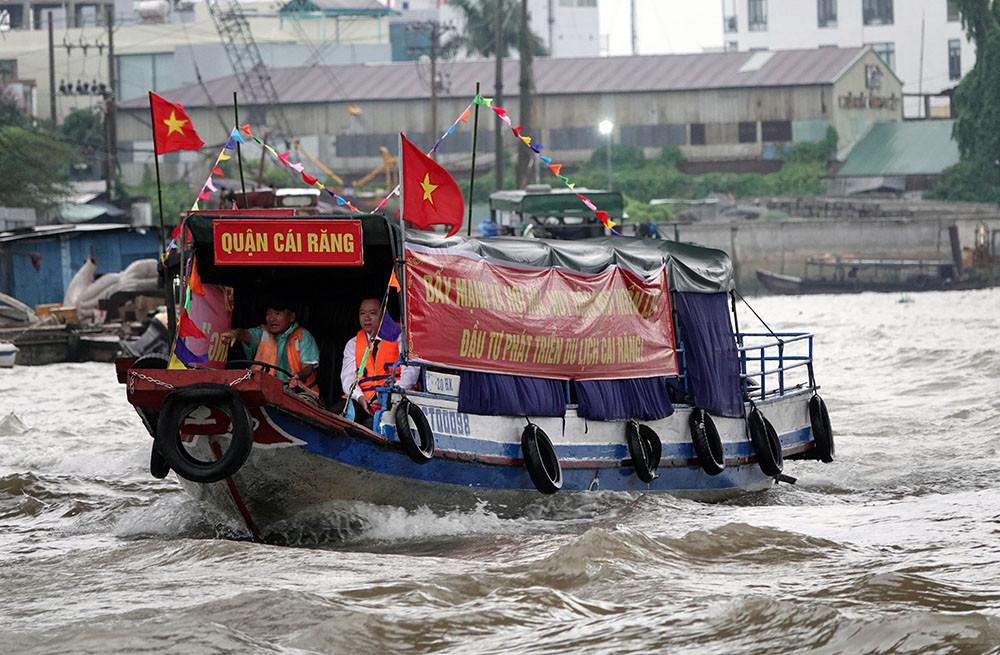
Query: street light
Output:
(607,128)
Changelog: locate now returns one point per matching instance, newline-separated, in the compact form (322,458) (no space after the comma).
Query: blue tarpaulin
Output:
(496,394)
(620,400)
(710,349)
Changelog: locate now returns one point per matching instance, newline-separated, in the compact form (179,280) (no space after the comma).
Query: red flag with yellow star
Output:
(430,194)
(172,129)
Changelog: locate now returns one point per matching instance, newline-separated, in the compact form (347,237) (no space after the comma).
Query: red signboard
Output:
(280,242)
(467,313)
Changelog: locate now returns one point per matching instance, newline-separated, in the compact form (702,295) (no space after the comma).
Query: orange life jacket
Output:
(376,373)
(267,352)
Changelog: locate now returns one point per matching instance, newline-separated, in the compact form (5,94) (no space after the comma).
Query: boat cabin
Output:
(539,211)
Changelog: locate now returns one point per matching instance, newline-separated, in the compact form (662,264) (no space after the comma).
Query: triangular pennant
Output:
(271,150)
(450,129)
(194,283)
(209,185)
(246,128)
(571,185)
(309,179)
(284,158)
(393,282)
(187,328)
(175,364)
(517,131)
(235,136)
(465,115)
(537,147)
(218,171)
(194,207)
(340,201)
(527,140)
(505,118)
(204,195)
(500,111)
(563,177)
(225,157)
(555,168)
(182,353)
(547,160)
(296,167)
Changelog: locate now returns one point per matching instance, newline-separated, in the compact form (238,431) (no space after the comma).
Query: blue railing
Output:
(772,360)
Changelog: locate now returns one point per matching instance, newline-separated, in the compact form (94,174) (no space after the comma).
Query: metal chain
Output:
(133,375)
(247,376)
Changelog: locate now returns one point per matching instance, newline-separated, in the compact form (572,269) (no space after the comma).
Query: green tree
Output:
(977,99)
(478,34)
(33,168)
(84,128)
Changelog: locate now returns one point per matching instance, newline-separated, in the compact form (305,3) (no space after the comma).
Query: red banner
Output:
(466,313)
(279,242)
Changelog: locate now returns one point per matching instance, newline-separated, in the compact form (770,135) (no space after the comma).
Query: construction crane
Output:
(388,166)
(251,71)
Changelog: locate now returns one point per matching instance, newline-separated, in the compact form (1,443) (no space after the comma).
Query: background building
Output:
(716,107)
(922,41)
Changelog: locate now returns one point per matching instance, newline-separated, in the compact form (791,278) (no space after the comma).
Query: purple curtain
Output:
(710,352)
(620,400)
(496,394)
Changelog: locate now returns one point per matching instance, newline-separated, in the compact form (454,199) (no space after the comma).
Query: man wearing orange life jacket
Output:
(281,342)
(378,367)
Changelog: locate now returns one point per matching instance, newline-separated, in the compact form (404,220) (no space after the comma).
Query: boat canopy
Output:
(690,268)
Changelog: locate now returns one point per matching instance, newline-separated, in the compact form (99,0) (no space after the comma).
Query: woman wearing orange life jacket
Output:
(281,342)
(381,356)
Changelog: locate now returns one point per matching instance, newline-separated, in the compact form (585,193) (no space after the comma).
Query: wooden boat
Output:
(547,366)
(854,275)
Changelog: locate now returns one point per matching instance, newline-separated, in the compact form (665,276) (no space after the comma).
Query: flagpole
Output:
(402,234)
(239,154)
(472,175)
(168,280)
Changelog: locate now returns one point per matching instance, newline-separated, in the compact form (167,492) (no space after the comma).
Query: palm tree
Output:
(477,34)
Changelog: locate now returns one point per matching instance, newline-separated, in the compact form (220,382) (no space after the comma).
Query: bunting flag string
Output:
(555,168)
(462,118)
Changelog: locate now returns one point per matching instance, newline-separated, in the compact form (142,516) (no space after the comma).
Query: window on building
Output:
(586,3)
(887,51)
(729,23)
(877,12)
(826,11)
(697,134)
(953,11)
(757,15)
(748,132)
(775,130)
(954,59)
(732,46)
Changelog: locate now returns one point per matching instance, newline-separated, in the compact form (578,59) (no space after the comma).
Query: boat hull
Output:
(778,283)
(303,457)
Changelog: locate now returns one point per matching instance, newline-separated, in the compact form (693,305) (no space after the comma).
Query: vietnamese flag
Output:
(430,194)
(172,129)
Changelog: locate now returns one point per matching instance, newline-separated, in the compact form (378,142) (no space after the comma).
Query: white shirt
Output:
(348,371)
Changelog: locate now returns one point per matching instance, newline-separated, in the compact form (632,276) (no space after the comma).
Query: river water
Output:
(893,548)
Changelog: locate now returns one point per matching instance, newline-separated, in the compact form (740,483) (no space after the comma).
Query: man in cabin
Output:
(383,353)
(281,342)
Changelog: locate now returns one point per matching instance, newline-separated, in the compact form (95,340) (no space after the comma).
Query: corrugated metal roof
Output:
(913,148)
(591,75)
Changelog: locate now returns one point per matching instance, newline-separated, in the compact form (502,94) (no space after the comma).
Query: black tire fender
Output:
(765,442)
(645,448)
(176,407)
(822,431)
(406,411)
(540,459)
(706,442)
(158,466)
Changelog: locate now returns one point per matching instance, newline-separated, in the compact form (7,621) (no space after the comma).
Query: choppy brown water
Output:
(894,548)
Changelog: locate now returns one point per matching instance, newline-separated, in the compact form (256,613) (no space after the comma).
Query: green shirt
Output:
(308,350)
